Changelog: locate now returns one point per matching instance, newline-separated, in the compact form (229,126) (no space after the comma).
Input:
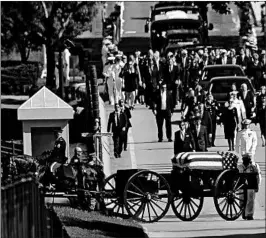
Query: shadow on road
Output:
(238,236)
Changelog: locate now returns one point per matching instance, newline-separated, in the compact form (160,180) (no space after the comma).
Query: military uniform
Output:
(250,205)
(59,150)
(246,142)
(213,108)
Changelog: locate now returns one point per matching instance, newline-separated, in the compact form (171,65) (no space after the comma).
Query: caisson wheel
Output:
(229,195)
(113,203)
(147,196)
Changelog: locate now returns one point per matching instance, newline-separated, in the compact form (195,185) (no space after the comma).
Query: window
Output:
(225,85)
(208,74)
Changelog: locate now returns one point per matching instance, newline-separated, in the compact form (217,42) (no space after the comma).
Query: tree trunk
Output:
(203,10)
(23,54)
(50,53)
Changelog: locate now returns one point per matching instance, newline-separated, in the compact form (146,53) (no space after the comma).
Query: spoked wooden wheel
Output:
(113,202)
(147,196)
(229,195)
(187,202)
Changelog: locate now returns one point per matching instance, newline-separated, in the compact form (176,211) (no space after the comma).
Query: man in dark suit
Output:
(242,60)
(248,99)
(200,136)
(184,140)
(205,61)
(163,109)
(223,59)
(171,76)
(118,122)
(151,79)
(184,69)
(126,110)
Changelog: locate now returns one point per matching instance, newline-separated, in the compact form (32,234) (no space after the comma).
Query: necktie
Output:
(198,130)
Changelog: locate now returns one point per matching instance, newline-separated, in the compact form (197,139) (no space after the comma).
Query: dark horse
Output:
(17,166)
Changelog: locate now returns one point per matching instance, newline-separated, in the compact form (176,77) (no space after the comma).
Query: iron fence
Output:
(11,147)
(23,211)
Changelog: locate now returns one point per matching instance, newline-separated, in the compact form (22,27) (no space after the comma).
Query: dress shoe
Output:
(119,155)
(170,140)
(243,216)
(160,140)
(249,218)
(116,155)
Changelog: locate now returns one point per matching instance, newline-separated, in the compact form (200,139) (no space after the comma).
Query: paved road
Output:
(146,152)
(225,25)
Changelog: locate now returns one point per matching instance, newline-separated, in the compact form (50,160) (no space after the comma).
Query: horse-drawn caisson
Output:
(146,195)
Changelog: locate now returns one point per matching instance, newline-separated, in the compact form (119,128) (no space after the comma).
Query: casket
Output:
(205,160)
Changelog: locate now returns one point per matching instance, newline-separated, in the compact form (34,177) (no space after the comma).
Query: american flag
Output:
(229,160)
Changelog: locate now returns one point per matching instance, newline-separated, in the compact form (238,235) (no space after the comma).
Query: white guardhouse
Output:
(41,115)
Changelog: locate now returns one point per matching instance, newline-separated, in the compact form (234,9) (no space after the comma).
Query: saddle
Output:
(62,171)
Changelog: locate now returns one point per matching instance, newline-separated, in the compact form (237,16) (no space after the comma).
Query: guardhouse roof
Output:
(45,105)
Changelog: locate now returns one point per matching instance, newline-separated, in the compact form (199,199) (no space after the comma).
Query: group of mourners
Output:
(163,82)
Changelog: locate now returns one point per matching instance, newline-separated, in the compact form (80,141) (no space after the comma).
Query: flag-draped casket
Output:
(206,160)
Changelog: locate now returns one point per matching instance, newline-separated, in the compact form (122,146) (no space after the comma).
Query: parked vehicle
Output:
(220,87)
(219,70)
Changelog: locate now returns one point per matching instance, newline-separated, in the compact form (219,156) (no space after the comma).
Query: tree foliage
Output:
(27,24)
(18,28)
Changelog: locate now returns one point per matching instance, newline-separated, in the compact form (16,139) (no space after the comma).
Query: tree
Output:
(247,23)
(18,31)
(51,23)
(219,7)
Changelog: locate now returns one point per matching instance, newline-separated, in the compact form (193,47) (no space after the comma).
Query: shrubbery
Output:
(18,79)
(81,224)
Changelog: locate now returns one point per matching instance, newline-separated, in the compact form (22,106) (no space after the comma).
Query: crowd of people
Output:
(162,82)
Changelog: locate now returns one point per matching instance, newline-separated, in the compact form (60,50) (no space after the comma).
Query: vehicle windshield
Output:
(210,73)
(224,86)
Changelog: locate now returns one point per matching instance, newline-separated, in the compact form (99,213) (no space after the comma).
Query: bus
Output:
(175,23)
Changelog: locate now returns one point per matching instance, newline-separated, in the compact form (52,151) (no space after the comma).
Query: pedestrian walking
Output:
(239,105)
(206,120)
(230,121)
(109,75)
(163,110)
(246,140)
(248,99)
(117,123)
(126,110)
(249,166)
(255,71)
(261,119)
(200,135)
(131,79)
(213,107)
(184,140)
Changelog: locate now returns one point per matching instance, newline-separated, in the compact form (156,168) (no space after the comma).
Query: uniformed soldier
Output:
(246,140)
(213,107)
(249,166)
(59,150)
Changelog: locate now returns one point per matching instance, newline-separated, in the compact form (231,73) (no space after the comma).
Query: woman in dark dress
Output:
(255,71)
(229,119)
(131,78)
